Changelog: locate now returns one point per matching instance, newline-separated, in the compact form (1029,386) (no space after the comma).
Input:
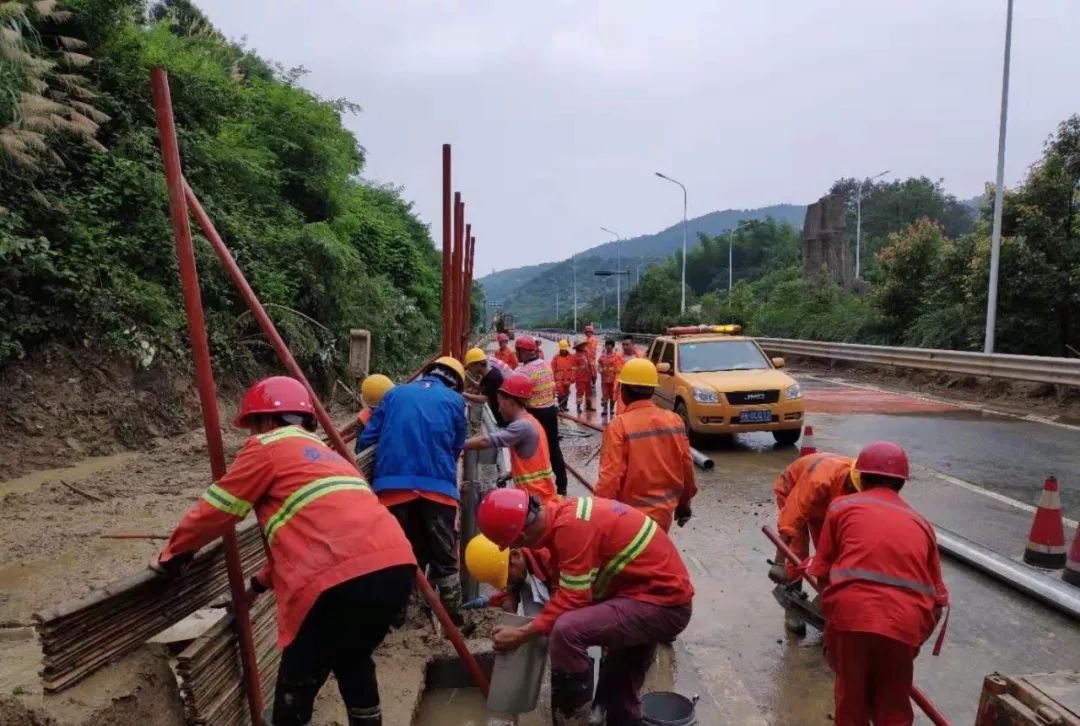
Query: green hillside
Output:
(530,292)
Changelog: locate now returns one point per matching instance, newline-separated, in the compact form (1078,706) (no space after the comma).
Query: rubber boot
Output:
(371,716)
(450,596)
(571,698)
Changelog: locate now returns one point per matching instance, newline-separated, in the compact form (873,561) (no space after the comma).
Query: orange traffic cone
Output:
(1046,543)
(807,447)
(1071,574)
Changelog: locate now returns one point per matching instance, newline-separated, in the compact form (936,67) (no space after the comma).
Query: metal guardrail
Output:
(1032,368)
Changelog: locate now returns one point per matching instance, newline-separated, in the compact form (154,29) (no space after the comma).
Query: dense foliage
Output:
(86,250)
(926,261)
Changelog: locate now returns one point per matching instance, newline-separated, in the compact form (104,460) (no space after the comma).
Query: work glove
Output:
(683,514)
(475,604)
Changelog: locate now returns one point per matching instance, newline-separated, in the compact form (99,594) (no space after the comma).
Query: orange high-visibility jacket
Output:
(543,392)
(507,356)
(604,549)
(562,367)
(534,474)
(590,346)
(645,462)
(609,364)
(322,523)
(583,369)
(620,361)
(796,470)
(881,558)
(809,498)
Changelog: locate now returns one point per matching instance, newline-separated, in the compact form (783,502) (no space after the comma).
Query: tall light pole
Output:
(999,191)
(858,219)
(682,305)
(573,264)
(618,277)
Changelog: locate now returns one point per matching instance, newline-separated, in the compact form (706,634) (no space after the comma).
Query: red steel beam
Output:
(469,286)
(921,699)
(336,440)
(204,375)
(447,221)
(455,276)
(580,421)
(580,477)
(463,320)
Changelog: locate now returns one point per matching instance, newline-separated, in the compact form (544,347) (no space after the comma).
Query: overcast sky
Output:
(560,111)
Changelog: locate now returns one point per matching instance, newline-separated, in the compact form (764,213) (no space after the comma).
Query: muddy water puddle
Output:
(466,707)
(82,469)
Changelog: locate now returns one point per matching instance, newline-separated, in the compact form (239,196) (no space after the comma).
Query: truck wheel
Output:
(787,437)
(680,408)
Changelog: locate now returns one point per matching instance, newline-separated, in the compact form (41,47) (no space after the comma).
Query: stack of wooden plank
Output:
(211,673)
(81,636)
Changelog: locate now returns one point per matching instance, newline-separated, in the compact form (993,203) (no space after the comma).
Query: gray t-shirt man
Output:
(520,434)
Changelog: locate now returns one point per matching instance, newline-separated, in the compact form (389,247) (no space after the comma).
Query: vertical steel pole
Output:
(463,320)
(858,228)
(467,327)
(682,305)
(455,276)
(730,259)
(446,243)
(999,191)
(204,376)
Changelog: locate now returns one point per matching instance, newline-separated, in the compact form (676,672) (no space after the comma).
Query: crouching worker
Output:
(342,567)
(530,460)
(520,575)
(877,561)
(621,585)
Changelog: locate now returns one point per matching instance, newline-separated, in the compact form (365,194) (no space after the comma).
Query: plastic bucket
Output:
(667,708)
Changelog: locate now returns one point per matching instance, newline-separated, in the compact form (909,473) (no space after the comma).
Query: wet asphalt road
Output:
(752,671)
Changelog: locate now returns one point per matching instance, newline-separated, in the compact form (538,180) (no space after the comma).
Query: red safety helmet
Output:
(277,394)
(883,458)
(502,515)
(526,342)
(517,385)
(502,337)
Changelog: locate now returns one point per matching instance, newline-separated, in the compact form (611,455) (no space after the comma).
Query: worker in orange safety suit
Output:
(804,492)
(621,585)
(645,455)
(522,577)
(591,341)
(877,560)
(530,460)
(609,366)
(505,353)
(584,376)
(562,367)
(541,403)
(339,564)
(628,353)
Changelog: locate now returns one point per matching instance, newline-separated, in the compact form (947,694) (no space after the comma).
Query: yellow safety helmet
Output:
(475,355)
(486,562)
(564,345)
(639,372)
(452,363)
(374,388)
(856,478)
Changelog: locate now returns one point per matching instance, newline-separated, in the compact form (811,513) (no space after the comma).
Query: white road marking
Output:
(1033,418)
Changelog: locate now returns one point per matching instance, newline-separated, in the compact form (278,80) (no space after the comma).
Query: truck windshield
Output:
(720,355)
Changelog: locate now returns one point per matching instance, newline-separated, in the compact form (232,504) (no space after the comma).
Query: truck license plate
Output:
(755,417)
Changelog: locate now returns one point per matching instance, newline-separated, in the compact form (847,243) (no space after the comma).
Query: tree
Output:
(904,274)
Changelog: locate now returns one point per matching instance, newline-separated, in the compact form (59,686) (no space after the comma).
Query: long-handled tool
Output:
(921,700)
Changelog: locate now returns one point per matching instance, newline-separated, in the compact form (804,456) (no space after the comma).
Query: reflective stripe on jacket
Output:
(534,474)
(645,462)
(882,562)
(322,523)
(603,549)
(543,393)
(809,498)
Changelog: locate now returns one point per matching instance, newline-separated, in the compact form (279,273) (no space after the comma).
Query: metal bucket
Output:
(518,674)
(667,708)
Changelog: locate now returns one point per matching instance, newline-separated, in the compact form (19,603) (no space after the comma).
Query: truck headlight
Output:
(703,395)
(793,391)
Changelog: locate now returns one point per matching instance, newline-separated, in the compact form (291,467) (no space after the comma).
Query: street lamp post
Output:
(858,220)
(999,192)
(618,277)
(682,304)
(573,264)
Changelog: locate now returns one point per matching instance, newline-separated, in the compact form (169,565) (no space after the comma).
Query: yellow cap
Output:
(374,388)
(486,562)
(564,345)
(475,355)
(450,362)
(856,477)
(639,372)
